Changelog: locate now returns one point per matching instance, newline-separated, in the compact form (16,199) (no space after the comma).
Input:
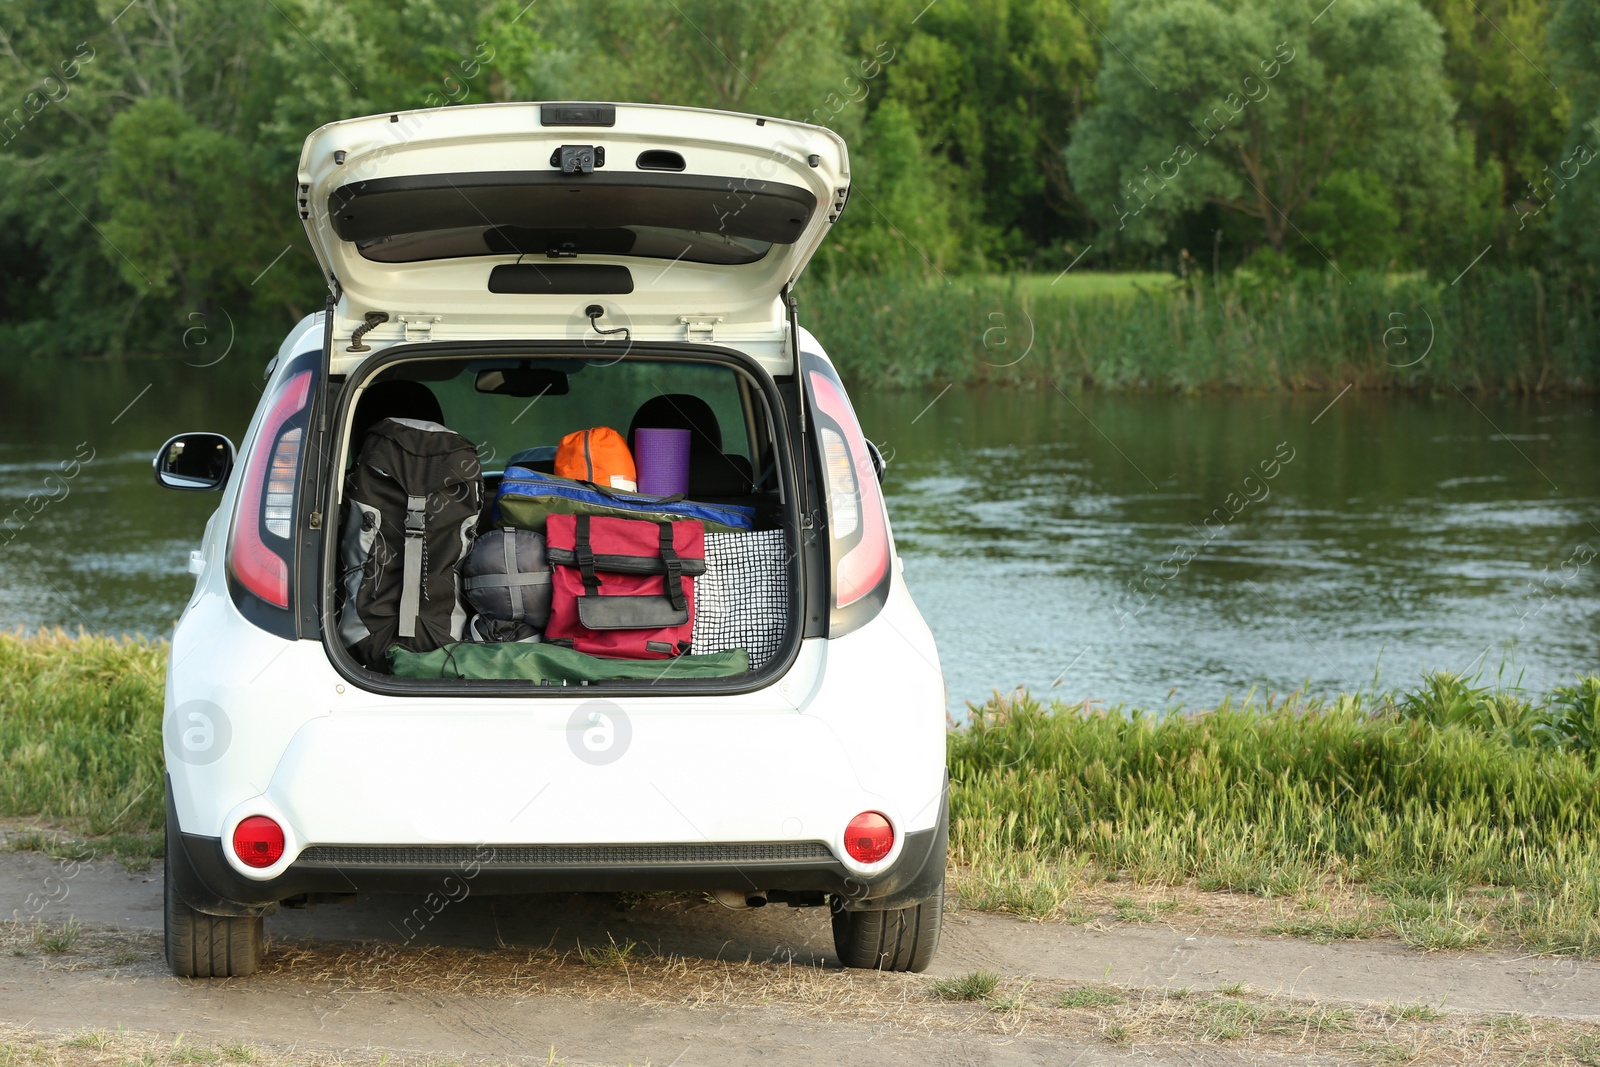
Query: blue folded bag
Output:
(526,498)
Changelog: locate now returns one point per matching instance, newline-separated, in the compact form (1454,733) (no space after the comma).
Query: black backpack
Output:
(412,502)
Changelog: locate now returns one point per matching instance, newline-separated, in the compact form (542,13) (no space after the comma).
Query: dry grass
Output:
(1145,1018)
(123,1048)
(1141,1019)
(1333,910)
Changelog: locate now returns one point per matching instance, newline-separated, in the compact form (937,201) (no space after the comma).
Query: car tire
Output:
(207,946)
(899,939)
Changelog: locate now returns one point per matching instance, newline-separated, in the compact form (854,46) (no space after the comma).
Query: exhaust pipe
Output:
(739,900)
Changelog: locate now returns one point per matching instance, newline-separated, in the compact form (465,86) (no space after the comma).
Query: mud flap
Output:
(918,877)
(186,880)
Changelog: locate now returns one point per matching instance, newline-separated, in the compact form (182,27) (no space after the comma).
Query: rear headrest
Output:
(712,472)
(393,400)
(679,411)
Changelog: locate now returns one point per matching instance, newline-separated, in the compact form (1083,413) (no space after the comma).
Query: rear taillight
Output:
(277,511)
(869,837)
(858,534)
(258,841)
(259,550)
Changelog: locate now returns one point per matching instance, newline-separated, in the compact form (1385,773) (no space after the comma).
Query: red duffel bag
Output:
(623,588)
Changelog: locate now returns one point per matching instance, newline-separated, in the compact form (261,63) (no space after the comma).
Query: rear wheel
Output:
(207,946)
(900,939)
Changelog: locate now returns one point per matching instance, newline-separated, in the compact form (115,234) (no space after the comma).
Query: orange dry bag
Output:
(597,455)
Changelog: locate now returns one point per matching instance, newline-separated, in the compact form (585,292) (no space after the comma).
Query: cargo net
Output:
(742,600)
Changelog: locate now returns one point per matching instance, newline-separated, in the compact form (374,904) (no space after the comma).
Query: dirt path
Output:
(501,978)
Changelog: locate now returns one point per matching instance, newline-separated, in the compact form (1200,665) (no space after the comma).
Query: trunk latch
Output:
(419,327)
(578,158)
(700,329)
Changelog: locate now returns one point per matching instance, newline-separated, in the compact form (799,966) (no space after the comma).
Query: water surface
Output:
(1160,549)
(1154,550)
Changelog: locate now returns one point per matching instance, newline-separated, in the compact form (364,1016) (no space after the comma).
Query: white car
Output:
(625,251)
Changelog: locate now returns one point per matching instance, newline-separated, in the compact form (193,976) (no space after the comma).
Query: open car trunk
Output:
(513,403)
(651,251)
(511,220)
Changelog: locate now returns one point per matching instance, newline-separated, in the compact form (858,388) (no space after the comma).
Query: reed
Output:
(1459,805)
(1520,332)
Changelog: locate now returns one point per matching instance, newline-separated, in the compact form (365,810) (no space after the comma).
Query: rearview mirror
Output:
(879,464)
(523,381)
(194,461)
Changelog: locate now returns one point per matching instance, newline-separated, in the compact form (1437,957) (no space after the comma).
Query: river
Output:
(1152,550)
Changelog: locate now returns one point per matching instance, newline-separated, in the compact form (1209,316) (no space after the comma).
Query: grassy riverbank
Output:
(1518,332)
(1448,815)
(80,737)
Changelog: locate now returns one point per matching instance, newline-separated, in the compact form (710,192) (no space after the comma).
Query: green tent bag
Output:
(541,662)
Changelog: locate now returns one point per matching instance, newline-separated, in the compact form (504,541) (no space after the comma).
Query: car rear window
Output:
(599,394)
(697,218)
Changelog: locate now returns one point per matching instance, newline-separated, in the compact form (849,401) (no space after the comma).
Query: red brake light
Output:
(855,506)
(258,841)
(869,837)
(266,497)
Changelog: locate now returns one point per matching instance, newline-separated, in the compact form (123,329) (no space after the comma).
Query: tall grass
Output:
(80,731)
(1519,331)
(1430,794)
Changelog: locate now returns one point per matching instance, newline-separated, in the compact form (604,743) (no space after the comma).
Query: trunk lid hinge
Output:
(420,327)
(701,328)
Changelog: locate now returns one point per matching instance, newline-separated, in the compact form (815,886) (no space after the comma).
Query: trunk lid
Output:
(512,220)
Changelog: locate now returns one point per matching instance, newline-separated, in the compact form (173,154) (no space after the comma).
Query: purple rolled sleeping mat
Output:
(662,457)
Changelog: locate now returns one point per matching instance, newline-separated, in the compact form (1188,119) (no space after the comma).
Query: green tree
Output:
(1252,109)
(899,216)
(769,57)
(155,179)
(1353,218)
(994,87)
(1501,73)
(1575,38)
(180,199)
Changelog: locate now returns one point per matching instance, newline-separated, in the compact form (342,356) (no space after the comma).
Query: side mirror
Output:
(194,461)
(879,464)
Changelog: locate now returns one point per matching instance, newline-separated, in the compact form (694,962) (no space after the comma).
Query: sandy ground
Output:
(504,979)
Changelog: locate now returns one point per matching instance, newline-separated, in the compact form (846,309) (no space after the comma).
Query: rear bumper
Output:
(207,882)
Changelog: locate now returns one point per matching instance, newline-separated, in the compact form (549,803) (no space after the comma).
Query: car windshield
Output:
(574,394)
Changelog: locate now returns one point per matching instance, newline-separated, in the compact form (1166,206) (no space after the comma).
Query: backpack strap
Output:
(584,552)
(633,498)
(669,556)
(508,542)
(411,584)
